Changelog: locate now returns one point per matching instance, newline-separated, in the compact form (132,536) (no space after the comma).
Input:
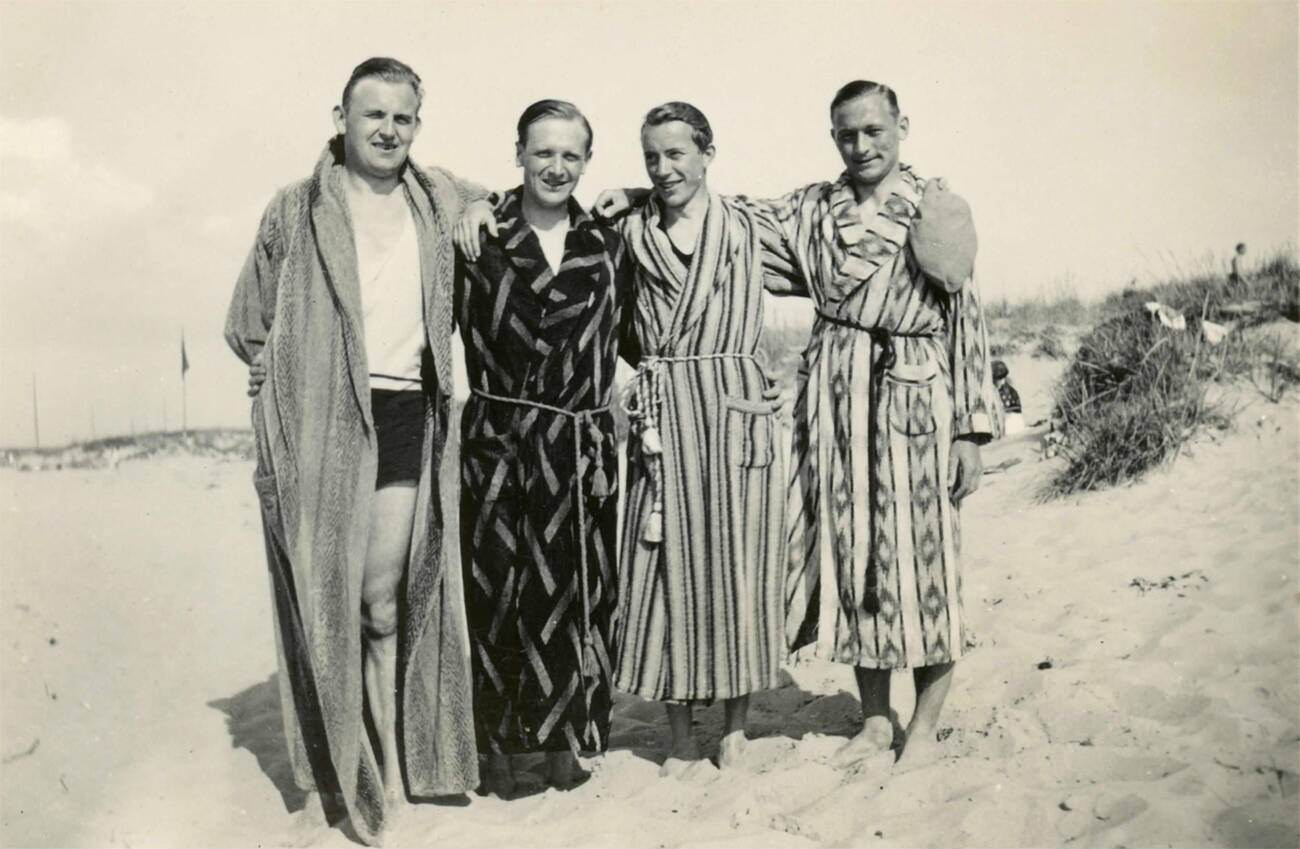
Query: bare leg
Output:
(500,776)
(391,517)
(877,734)
(733,736)
(932,683)
(684,749)
(562,770)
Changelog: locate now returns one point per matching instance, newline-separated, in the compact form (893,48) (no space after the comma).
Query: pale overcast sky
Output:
(1097,142)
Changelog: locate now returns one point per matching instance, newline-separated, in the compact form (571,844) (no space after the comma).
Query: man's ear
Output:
(903,126)
(340,120)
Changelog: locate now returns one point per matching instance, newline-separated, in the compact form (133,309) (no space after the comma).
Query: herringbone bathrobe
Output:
(298,304)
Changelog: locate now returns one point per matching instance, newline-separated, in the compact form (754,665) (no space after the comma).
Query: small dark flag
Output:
(185,361)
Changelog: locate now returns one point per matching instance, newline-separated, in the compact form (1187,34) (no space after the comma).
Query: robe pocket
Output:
(909,391)
(748,431)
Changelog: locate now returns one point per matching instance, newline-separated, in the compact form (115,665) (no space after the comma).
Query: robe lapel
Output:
(710,269)
(860,247)
(332,227)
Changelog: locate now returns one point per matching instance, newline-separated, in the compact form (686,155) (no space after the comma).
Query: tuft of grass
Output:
(1136,392)
(1128,402)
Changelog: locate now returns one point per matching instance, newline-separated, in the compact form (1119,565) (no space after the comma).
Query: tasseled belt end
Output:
(590,662)
(600,487)
(651,444)
(653,532)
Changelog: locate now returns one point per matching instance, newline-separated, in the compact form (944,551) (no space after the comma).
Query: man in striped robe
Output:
(702,551)
(894,399)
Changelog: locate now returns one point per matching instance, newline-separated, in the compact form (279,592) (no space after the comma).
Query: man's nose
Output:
(662,168)
(860,144)
(388,128)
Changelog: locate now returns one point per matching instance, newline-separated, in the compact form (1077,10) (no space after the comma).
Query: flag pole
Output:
(36,419)
(185,366)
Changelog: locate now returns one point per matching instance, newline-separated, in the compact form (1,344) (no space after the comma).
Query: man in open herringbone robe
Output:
(540,308)
(894,398)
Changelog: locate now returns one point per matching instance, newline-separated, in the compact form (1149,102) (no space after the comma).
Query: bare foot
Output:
(919,750)
(394,800)
(680,758)
(731,749)
(874,741)
(499,776)
(563,771)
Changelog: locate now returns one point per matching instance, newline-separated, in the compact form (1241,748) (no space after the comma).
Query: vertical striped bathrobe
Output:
(702,550)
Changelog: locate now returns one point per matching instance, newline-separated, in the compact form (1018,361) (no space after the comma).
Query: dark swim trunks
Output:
(399,427)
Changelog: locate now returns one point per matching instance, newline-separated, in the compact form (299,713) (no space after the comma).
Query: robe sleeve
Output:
(777,220)
(629,345)
(972,372)
(467,190)
(252,308)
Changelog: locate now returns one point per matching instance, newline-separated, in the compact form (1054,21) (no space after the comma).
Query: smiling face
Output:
(867,133)
(675,164)
(553,157)
(378,125)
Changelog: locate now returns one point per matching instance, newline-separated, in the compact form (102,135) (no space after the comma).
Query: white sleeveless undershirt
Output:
(392,311)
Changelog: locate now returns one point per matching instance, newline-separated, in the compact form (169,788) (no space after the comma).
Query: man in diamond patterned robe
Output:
(541,308)
(894,397)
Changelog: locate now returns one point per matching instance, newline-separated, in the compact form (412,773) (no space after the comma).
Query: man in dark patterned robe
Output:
(541,310)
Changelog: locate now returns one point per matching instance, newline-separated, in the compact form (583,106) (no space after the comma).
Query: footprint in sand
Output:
(1151,703)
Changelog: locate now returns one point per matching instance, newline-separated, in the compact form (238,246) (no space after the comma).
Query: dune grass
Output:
(1038,325)
(1136,391)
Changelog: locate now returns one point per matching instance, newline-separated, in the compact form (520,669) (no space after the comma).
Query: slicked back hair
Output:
(677,110)
(551,109)
(387,69)
(862,88)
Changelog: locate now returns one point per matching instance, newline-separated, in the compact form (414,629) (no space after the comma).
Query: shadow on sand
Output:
(641,727)
(253,718)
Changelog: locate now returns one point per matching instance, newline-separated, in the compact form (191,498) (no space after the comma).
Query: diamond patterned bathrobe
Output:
(874,576)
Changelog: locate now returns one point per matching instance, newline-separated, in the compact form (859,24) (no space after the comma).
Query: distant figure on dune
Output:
(343,311)
(1013,419)
(1236,272)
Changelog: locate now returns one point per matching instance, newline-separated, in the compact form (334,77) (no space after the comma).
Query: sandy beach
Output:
(1135,682)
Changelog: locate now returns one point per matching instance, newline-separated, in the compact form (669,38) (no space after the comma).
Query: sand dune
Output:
(1135,681)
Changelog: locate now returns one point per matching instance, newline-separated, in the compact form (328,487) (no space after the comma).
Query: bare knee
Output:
(379,614)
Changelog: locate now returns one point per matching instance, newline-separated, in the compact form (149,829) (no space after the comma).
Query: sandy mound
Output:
(1135,682)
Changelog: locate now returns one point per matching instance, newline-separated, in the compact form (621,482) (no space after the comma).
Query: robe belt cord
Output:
(641,401)
(581,419)
(883,338)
